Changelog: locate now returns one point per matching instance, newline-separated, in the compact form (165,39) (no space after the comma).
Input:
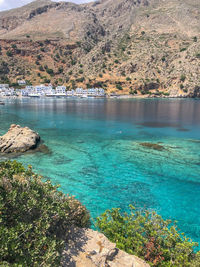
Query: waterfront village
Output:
(48,91)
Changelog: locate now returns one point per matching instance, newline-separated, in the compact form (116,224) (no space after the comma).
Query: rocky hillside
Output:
(126,46)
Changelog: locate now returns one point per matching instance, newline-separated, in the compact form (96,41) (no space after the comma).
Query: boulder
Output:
(86,247)
(18,139)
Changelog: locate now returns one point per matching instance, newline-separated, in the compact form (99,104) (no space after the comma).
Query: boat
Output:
(2,103)
(33,95)
(50,95)
(60,95)
(84,96)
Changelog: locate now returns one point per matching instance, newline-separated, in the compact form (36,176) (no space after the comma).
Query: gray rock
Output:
(86,247)
(18,139)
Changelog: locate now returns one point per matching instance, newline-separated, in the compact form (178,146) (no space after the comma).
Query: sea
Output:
(98,151)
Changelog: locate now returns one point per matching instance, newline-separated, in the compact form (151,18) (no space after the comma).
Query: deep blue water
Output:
(97,156)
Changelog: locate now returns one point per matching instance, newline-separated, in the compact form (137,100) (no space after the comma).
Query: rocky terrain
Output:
(92,249)
(18,139)
(138,47)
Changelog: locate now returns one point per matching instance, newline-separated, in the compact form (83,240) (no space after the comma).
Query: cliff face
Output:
(148,46)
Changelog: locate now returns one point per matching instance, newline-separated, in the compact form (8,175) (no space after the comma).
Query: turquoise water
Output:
(96,153)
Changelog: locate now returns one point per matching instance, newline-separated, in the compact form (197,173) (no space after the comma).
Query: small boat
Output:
(33,95)
(2,103)
(60,95)
(50,95)
(84,96)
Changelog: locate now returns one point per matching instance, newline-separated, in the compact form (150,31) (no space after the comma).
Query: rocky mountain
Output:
(126,46)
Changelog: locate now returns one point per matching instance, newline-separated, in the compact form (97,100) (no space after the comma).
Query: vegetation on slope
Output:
(149,237)
(34,218)
(127,47)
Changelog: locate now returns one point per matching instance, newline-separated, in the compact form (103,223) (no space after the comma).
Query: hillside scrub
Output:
(35,218)
(148,236)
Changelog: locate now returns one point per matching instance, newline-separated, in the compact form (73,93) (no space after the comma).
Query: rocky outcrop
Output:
(18,139)
(92,249)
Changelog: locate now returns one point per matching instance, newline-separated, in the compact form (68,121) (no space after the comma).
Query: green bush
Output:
(47,80)
(150,237)
(183,77)
(34,218)
(119,87)
(183,49)
(80,80)
(195,39)
(50,71)
(39,57)
(14,46)
(60,70)
(41,68)
(166,94)
(9,53)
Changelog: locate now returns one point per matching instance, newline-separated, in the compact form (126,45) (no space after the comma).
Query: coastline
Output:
(102,97)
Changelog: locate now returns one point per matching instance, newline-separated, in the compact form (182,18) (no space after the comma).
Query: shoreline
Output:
(104,97)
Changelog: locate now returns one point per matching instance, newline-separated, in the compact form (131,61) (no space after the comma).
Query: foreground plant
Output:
(150,237)
(34,218)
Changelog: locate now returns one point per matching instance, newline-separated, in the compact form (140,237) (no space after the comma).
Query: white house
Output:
(2,86)
(101,92)
(70,93)
(22,82)
(79,91)
(24,92)
(92,92)
(61,90)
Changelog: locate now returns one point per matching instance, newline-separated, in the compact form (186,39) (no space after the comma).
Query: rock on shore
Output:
(18,139)
(86,247)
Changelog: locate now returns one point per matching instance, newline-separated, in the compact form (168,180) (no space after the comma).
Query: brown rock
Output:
(18,139)
(153,146)
(92,249)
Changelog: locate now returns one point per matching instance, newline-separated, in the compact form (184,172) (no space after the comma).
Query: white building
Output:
(79,91)
(101,92)
(29,88)
(24,92)
(92,92)
(61,90)
(22,82)
(7,91)
(43,90)
(2,86)
(70,93)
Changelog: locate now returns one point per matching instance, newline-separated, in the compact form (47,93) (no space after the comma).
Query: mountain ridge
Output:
(148,46)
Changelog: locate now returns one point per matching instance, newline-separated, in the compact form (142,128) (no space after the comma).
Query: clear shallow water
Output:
(97,156)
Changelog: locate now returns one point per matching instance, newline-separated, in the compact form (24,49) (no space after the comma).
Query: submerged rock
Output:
(18,139)
(183,130)
(86,247)
(42,148)
(153,146)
